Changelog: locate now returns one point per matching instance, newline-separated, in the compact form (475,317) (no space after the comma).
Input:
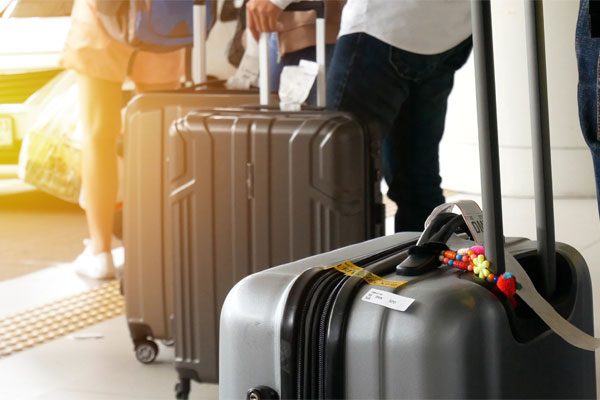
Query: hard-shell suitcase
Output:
(298,331)
(252,188)
(303,330)
(147,278)
(148,272)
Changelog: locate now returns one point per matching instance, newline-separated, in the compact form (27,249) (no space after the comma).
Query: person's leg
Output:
(588,96)
(101,118)
(412,151)
(362,81)
(415,183)
(100,113)
(276,64)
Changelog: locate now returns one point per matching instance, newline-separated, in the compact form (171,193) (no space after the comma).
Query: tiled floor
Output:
(105,368)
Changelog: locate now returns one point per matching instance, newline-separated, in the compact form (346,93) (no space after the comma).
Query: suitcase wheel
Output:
(262,393)
(182,389)
(146,351)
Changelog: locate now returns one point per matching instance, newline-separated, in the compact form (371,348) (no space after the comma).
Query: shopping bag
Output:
(50,157)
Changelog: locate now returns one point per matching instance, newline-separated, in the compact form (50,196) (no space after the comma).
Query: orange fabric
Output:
(91,51)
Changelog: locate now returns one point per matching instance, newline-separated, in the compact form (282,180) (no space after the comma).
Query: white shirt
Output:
(418,26)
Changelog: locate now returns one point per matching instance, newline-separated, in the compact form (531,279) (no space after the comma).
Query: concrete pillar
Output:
(571,162)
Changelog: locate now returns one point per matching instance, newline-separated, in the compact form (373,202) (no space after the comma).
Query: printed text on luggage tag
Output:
(389,300)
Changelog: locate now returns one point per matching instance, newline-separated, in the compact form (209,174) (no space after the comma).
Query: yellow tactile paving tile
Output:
(59,318)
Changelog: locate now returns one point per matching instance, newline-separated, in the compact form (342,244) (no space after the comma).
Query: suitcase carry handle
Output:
(488,138)
(263,53)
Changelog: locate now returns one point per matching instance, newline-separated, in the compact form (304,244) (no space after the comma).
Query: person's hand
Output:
(263,16)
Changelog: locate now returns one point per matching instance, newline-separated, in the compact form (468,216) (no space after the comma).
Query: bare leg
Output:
(101,117)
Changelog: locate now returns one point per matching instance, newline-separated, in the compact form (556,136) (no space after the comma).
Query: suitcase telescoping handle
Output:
(263,52)
(488,138)
(199,47)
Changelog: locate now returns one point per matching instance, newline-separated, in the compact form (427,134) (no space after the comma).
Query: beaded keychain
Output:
(473,260)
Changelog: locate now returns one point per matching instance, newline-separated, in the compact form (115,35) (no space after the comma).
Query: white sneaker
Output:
(95,266)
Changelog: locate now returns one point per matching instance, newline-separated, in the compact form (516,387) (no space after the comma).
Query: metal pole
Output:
(488,132)
(199,49)
(264,84)
(320,41)
(540,141)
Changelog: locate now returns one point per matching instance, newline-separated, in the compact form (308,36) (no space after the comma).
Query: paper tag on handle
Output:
(470,211)
(296,83)
(246,75)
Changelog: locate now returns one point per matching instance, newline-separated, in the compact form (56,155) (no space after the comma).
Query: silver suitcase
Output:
(304,331)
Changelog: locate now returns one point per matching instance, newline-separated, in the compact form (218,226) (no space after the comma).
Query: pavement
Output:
(36,230)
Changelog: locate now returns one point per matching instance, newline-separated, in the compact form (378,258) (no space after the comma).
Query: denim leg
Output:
(588,57)
(362,81)
(411,150)
(415,182)
(401,97)
(276,64)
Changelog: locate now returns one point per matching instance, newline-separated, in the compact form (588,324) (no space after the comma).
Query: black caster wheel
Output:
(168,342)
(146,351)
(182,389)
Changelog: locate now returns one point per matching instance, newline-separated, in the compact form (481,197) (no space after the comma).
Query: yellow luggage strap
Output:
(348,268)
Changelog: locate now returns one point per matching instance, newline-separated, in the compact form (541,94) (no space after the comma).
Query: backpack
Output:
(151,25)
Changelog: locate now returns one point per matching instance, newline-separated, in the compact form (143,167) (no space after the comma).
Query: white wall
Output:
(571,163)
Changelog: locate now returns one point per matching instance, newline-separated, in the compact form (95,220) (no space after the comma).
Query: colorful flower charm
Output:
(473,259)
(481,267)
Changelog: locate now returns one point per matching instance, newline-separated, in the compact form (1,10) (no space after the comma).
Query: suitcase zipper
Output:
(323,328)
(295,343)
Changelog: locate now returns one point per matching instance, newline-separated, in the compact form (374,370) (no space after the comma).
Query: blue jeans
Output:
(588,95)
(401,98)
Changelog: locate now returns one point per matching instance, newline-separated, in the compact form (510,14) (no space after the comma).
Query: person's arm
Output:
(263,15)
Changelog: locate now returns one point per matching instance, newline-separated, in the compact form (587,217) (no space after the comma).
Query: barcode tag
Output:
(389,300)
(470,211)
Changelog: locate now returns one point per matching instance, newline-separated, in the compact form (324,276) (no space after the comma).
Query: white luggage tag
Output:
(470,211)
(388,299)
(248,71)
(296,83)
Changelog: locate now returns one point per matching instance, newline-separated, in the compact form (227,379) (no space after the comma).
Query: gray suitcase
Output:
(148,272)
(147,276)
(458,340)
(304,331)
(250,190)
(253,188)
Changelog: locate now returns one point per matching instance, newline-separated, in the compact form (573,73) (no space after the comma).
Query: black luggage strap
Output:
(427,249)
(424,256)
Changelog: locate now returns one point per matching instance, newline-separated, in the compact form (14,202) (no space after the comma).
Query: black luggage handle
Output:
(488,138)
(316,6)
